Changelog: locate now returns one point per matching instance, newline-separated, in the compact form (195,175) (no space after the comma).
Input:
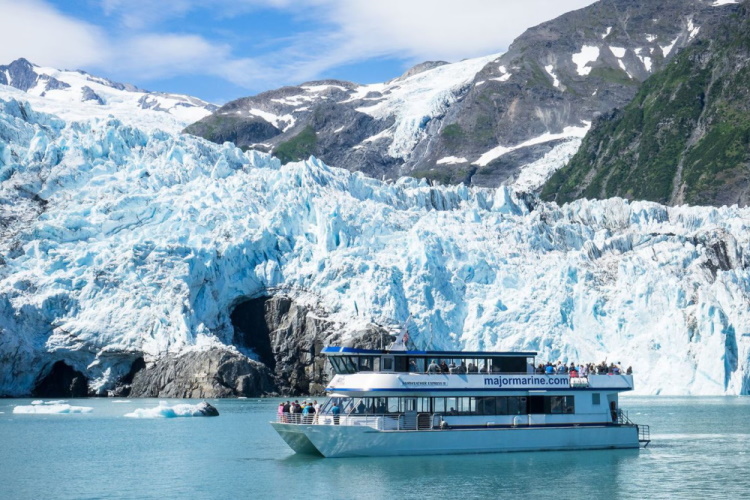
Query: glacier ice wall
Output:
(117,242)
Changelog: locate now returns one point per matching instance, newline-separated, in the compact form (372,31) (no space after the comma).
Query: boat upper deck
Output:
(359,371)
(347,360)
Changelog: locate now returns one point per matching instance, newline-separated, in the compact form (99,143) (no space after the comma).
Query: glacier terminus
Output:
(121,243)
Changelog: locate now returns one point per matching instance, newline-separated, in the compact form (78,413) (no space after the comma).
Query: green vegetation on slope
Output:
(298,147)
(685,137)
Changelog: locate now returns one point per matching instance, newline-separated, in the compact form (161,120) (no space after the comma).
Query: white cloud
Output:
(339,32)
(441,29)
(38,32)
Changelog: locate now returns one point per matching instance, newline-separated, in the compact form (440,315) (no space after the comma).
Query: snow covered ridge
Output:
(117,242)
(77,95)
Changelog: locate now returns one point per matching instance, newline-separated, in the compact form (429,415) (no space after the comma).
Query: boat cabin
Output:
(347,361)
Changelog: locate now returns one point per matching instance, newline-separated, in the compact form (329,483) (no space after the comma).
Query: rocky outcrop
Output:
(288,338)
(207,410)
(214,373)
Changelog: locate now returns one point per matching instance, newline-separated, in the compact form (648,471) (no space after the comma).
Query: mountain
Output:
(135,260)
(79,95)
(480,120)
(685,138)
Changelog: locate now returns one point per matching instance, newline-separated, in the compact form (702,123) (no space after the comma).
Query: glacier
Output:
(120,241)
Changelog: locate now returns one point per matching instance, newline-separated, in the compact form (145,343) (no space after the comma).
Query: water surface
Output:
(699,450)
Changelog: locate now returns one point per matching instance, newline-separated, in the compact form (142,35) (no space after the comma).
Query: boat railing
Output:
(644,431)
(382,421)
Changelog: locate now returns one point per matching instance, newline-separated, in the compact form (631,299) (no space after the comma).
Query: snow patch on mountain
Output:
(588,54)
(139,242)
(666,49)
(416,100)
(499,151)
(535,174)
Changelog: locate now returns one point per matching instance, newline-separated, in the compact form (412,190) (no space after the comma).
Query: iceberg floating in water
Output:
(164,410)
(49,409)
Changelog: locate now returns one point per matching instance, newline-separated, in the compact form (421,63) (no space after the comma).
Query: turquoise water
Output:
(700,449)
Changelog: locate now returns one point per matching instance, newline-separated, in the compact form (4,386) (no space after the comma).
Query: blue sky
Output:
(220,50)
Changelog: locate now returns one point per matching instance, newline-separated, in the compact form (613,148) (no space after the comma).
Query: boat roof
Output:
(348,351)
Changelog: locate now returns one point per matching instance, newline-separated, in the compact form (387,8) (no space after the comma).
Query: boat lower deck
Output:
(355,441)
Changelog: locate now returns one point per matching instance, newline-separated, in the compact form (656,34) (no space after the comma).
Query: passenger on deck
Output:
(472,368)
(361,407)
(629,371)
(452,367)
(433,368)
(549,369)
(336,412)
(443,367)
(462,367)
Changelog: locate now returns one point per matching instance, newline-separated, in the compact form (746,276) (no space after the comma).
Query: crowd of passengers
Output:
(574,370)
(296,412)
(582,370)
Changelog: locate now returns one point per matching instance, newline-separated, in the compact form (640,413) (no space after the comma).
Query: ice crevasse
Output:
(117,241)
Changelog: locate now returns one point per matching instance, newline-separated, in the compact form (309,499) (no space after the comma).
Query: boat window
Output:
(401,365)
(376,364)
(387,364)
(439,405)
(423,405)
(365,363)
(417,365)
(486,405)
(336,364)
(516,405)
(556,404)
(596,398)
(451,405)
(502,406)
(393,405)
(570,405)
(345,363)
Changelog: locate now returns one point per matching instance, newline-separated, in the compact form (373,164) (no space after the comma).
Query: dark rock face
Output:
(215,373)
(685,136)
(289,338)
(62,381)
(547,81)
(88,94)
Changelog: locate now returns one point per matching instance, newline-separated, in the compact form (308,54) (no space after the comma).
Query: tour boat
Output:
(395,402)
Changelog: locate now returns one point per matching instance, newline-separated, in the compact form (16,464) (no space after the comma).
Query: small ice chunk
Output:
(164,410)
(49,409)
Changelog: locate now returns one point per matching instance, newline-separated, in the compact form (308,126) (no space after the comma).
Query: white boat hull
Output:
(364,441)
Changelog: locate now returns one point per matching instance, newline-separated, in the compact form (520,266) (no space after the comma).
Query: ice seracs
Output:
(119,242)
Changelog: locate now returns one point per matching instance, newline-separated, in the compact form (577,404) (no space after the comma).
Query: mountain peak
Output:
(80,95)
